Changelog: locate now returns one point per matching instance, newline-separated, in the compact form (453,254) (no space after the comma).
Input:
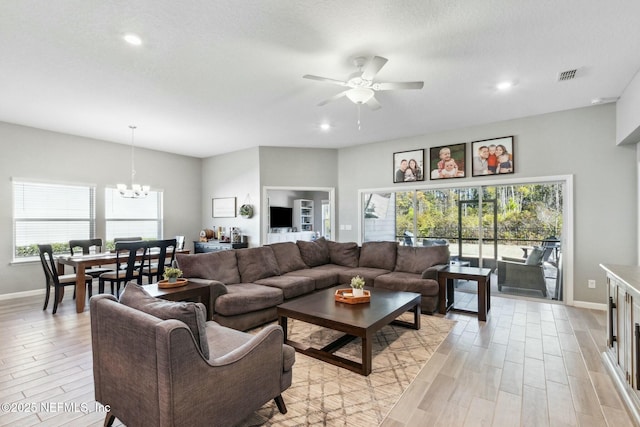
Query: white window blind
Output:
(50,213)
(133,217)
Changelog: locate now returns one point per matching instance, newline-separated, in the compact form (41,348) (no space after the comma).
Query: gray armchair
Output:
(156,372)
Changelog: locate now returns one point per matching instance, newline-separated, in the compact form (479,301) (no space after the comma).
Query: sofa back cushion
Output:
(417,259)
(288,257)
(194,315)
(346,254)
(314,253)
(378,255)
(256,263)
(221,266)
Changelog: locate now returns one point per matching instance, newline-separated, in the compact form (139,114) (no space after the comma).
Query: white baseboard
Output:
(23,294)
(590,305)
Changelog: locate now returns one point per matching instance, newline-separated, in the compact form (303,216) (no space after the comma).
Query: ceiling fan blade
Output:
(324,79)
(373,67)
(333,98)
(398,85)
(373,103)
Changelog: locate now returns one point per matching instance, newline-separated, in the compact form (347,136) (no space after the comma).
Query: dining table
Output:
(81,262)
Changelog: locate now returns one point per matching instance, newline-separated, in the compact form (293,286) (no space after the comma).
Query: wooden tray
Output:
(346,296)
(164,284)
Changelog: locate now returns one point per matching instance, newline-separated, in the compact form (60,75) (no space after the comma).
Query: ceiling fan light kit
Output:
(359,95)
(361,86)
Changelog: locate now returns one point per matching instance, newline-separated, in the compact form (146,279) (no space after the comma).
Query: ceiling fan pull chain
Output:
(358,116)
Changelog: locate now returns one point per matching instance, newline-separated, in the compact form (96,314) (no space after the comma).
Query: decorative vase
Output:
(172,279)
(358,292)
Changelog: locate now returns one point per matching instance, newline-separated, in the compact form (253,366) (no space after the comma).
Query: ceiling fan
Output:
(361,86)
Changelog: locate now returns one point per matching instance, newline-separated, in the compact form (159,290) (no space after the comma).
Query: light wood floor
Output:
(530,364)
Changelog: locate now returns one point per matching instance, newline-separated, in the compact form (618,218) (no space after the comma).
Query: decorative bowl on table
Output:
(346,296)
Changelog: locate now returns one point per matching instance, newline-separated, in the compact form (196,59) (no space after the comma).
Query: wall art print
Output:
(448,161)
(408,166)
(493,156)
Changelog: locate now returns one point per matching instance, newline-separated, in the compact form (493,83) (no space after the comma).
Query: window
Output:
(133,217)
(50,213)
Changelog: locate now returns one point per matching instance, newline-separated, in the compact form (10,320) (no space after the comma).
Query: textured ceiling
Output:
(217,76)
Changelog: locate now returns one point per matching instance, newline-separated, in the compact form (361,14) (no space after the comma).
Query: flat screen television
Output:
(280,217)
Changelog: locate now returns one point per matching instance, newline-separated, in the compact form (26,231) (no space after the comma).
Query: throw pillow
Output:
(417,259)
(194,315)
(257,263)
(345,254)
(288,257)
(314,253)
(535,257)
(221,266)
(378,255)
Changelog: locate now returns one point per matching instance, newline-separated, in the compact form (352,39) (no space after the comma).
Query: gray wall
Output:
(236,175)
(38,154)
(298,167)
(580,142)
(627,118)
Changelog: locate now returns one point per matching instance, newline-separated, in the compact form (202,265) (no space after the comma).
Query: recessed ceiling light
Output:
(133,39)
(325,126)
(506,85)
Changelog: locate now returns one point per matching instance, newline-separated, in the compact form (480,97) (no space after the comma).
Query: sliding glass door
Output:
(481,225)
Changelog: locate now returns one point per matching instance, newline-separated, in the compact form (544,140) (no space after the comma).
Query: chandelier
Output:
(136,191)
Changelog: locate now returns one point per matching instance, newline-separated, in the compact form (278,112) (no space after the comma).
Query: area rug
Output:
(325,395)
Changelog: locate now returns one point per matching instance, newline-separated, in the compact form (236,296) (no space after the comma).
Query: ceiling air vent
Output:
(567,75)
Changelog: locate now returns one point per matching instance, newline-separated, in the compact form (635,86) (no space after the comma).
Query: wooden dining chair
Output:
(126,239)
(167,254)
(86,246)
(126,254)
(53,280)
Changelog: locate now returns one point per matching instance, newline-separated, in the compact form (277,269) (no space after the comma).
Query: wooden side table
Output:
(480,275)
(197,292)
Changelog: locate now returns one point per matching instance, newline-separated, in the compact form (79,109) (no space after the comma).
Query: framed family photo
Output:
(448,161)
(408,166)
(493,156)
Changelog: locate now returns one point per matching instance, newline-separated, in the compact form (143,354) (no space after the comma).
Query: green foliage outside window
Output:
(524,213)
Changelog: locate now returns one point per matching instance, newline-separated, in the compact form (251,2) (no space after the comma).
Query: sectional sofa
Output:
(248,284)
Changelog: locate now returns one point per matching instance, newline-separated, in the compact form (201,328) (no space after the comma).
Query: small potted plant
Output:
(246,211)
(357,285)
(171,274)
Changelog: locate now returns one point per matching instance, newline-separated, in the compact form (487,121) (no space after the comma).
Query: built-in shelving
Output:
(303,214)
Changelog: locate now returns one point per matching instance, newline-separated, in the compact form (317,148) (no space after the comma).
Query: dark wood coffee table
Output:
(196,292)
(355,320)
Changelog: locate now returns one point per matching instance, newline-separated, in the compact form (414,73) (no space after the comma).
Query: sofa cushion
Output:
(314,253)
(322,277)
(367,273)
(378,255)
(346,254)
(194,315)
(221,266)
(288,257)
(417,259)
(407,282)
(256,263)
(247,297)
(291,286)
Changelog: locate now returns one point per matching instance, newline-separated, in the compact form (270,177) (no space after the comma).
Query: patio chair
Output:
(524,274)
